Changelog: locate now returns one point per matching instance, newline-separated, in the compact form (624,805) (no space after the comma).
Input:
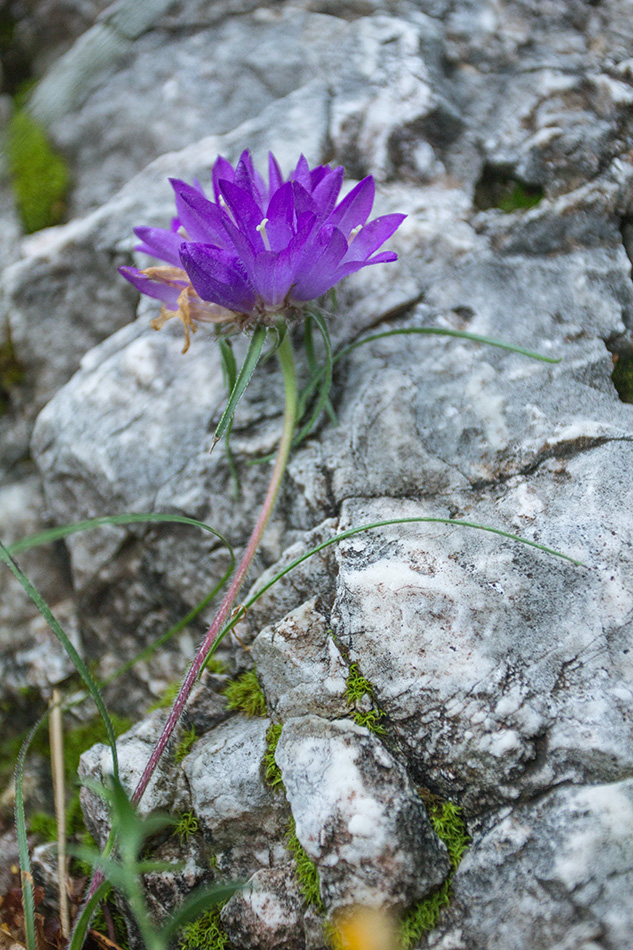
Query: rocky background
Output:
(497,678)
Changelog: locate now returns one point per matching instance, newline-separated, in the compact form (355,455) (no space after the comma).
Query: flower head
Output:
(257,250)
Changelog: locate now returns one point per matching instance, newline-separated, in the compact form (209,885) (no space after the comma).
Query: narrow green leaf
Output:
(242,381)
(229,367)
(441,331)
(82,922)
(61,635)
(200,900)
(26,876)
(57,534)
(350,532)
(320,377)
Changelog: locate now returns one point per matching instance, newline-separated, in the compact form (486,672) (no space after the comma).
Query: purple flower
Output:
(257,251)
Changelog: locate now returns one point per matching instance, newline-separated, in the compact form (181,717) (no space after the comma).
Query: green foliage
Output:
(43,825)
(245,694)
(359,692)
(205,933)
(273,775)
(184,746)
(39,175)
(125,869)
(306,873)
(622,377)
(186,825)
(446,818)
(424,915)
(519,197)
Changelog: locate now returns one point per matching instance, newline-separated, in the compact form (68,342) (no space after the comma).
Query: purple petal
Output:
(217,276)
(246,212)
(304,202)
(222,171)
(160,243)
(275,178)
(200,217)
(372,235)
(168,293)
(327,191)
(318,272)
(247,178)
(280,214)
(273,274)
(317,174)
(355,208)
(301,174)
(385,257)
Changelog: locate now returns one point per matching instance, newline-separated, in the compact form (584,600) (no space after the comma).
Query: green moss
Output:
(186,825)
(245,694)
(205,933)
(185,744)
(499,189)
(449,825)
(358,691)
(99,924)
(43,825)
(307,874)
(622,377)
(39,175)
(272,774)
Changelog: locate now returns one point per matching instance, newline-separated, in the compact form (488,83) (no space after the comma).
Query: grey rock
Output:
(243,818)
(36,658)
(267,913)
(549,875)
(357,815)
(166,790)
(300,668)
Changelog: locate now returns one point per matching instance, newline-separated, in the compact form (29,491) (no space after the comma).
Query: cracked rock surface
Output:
(503,674)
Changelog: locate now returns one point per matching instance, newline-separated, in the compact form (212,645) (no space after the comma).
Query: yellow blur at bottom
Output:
(365,928)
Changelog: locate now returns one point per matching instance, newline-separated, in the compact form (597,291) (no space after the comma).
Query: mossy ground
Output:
(446,818)
(359,696)
(245,695)
(205,933)
(272,773)
(306,870)
(39,175)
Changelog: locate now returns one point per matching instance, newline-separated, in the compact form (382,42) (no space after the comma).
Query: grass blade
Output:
(229,368)
(323,379)
(26,876)
(242,381)
(57,534)
(200,900)
(350,532)
(441,331)
(82,922)
(61,635)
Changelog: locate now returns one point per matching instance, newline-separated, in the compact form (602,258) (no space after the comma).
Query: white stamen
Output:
(261,227)
(353,234)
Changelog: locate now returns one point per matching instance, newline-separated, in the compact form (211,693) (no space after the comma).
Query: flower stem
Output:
(290,385)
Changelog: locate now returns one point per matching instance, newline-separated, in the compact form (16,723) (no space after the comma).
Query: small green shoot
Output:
(186,825)
(246,695)
(358,694)
(185,744)
(272,774)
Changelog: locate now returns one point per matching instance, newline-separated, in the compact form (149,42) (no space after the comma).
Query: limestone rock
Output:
(267,913)
(549,875)
(235,808)
(357,815)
